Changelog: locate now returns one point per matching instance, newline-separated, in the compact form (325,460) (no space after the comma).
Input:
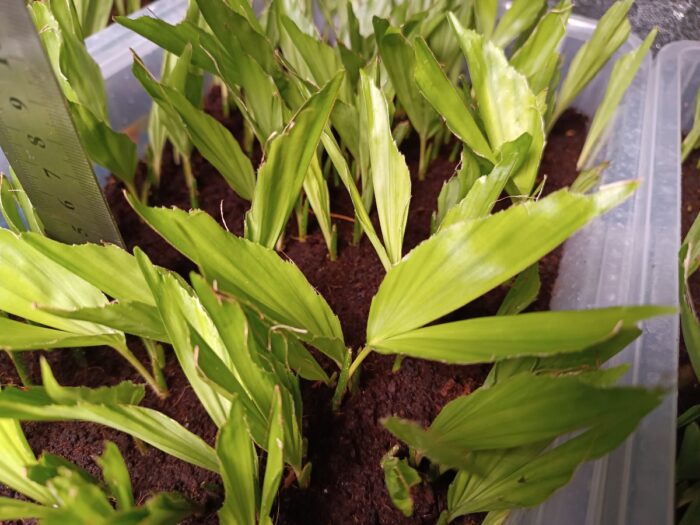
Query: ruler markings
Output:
(40,140)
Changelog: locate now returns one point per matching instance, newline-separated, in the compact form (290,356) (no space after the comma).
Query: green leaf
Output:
(518,18)
(281,176)
(538,57)
(489,339)
(312,58)
(690,415)
(21,201)
(692,139)
(447,101)
(93,14)
(522,293)
(611,31)
(623,73)
(485,13)
(210,137)
(81,71)
(125,392)
(588,178)
(107,267)
(399,477)
(466,260)
(274,466)
(14,509)
(390,176)
(178,310)
(125,316)
(316,189)
(239,468)
(27,278)
(456,187)
(690,325)
(116,476)
(399,60)
(343,170)
(9,206)
(17,336)
(688,463)
(15,456)
(526,476)
(111,150)
(521,411)
(235,22)
(35,404)
(238,266)
(486,190)
(507,106)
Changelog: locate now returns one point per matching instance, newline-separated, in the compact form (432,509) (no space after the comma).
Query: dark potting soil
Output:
(345,449)
(688,385)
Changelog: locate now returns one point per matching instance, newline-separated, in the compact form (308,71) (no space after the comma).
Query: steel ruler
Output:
(39,138)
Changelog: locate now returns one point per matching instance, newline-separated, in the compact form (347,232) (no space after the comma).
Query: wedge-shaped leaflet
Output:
(521,15)
(251,273)
(343,170)
(399,60)
(17,336)
(108,267)
(527,475)
(112,150)
(538,57)
(114,409)
(487,189)
(456,187)
(611,31)
(526,410)
(539,334)
(447,101)
(27,278)
(239,468)
(507,105)
(485,13)
(211,138)
(178,310)
(623,73)
(246,501)
(14,457)
(390,176)
(399,477)
(281,176)
(466,260)
(116,476)
(257,369)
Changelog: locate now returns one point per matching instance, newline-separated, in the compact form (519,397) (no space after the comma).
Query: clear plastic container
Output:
(625,257)
(628,256)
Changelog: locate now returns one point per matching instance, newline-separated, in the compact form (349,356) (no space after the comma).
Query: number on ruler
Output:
(17,103)
(68,204)
(36,141)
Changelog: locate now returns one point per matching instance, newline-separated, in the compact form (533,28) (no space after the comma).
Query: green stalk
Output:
(190,180)
(302,214)
(133,361)
(423,159)
(157,355)
(18,359)
(358,360)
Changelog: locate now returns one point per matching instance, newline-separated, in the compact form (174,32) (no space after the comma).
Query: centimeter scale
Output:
(40,141)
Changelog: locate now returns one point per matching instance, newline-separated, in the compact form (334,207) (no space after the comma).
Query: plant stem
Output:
(358,360)
(423,158)
(133,361)
(190,181)
(18,359)
(155,352)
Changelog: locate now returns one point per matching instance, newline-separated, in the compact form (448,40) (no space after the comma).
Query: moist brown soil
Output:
(345,448)
(688,385)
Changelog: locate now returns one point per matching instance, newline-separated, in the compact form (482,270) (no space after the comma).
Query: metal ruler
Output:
(39,138)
